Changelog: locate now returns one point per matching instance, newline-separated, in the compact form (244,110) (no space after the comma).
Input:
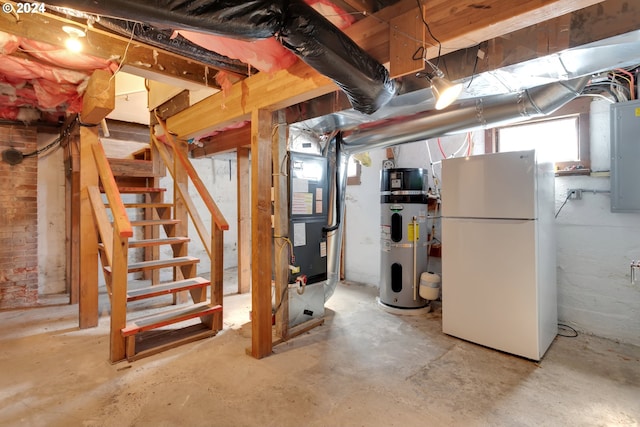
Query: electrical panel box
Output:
(625,157)
(308,188)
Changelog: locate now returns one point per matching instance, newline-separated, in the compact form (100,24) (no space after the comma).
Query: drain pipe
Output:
(485,112)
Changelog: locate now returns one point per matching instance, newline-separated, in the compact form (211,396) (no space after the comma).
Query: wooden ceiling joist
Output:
(457,25)
(148,62)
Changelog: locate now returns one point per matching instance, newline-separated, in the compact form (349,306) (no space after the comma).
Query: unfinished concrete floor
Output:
(364,367)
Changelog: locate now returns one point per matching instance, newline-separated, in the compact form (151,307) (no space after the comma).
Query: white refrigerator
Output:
(498,252)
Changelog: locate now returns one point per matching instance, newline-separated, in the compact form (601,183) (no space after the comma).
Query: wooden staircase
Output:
(195,311)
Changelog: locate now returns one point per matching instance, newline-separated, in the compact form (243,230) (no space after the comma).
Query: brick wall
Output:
(18,221)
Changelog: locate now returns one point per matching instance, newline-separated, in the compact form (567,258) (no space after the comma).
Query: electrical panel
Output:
(308,205)
(625,157)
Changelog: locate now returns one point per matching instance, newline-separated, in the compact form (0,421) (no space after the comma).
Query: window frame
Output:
(578,108)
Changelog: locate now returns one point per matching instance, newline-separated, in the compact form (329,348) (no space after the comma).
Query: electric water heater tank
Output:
(404,236)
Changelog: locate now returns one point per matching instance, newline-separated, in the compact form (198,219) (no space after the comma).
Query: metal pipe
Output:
(490,111)
(414,223)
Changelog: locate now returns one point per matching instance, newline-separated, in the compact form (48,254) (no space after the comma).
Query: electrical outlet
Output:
(574,193)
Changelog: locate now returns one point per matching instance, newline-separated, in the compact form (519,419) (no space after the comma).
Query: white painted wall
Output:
(362,243)
(594,246)
(51,219)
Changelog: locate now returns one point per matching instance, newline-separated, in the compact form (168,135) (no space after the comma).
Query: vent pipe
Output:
(485,112)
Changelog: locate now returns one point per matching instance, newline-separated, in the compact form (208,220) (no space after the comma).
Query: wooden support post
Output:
(118,298)
(244,221)
(261,253)
(217,267)
(281,227)
(88,292)
(98,101)
(72,166)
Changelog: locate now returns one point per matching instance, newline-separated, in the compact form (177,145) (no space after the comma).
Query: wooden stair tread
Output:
(158,242)
(143,205)
(158,263)
(166,288)
(159,320)
(141,190)
(145,222)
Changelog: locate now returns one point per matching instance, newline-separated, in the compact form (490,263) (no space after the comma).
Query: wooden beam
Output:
(223,142)
(261,91)
(244,220)
(99,99)
(406,41)
(261,253)
(88,295)
(140,59)
(457,25)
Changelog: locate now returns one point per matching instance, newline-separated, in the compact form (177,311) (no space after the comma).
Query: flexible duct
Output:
(490,111)
(295,24)
(164,39)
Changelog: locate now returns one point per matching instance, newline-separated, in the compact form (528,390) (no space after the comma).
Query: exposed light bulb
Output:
(445,92)
(73,43)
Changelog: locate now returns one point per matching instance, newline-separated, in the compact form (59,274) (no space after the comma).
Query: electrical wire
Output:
(475,66)
(564,203)
(630,80)
(572,333)
(43,149)
(424,21)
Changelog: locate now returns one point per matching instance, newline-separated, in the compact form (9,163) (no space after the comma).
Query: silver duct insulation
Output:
(489,111)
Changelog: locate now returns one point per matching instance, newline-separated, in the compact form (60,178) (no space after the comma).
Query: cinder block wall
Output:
(18,221)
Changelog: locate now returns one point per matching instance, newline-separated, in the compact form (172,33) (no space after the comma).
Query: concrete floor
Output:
(364,367)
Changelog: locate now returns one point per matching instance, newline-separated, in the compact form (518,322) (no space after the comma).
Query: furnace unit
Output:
(404,237)
(308,206)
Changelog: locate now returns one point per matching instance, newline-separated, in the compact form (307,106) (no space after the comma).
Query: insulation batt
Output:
(47,85)
(294,23)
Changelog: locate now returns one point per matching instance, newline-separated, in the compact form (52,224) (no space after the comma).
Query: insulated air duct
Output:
(490,111)
(295,24)
(164,39)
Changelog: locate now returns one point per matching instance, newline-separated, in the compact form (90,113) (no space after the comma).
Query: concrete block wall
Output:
(18,221)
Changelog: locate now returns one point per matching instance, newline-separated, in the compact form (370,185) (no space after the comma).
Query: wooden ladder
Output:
(146,335)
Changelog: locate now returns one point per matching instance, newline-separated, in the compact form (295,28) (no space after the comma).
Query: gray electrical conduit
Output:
(490,111)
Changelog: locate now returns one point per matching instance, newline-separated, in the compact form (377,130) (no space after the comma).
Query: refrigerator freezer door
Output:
(489,284)
(500,185)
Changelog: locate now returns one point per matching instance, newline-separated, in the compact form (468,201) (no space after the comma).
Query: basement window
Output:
(556,140)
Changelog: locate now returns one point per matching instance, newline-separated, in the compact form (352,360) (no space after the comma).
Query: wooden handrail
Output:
(216,215)
(120,218)
(183,191)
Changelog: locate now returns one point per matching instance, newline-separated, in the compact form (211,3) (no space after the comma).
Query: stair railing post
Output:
(118,297)
(217,267)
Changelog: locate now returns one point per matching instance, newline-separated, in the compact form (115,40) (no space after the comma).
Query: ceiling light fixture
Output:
(444,91)
(73,43)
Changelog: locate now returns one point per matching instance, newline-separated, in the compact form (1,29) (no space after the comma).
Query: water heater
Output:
(404,236)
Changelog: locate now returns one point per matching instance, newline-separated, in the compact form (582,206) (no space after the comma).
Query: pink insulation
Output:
(51,82)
